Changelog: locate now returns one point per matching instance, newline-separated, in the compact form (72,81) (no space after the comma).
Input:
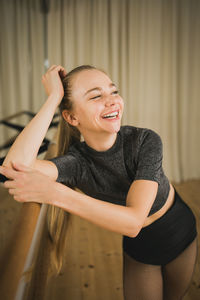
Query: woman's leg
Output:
(178,273)
(141,281)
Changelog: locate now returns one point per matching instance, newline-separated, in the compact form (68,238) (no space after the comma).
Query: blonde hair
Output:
(58,220)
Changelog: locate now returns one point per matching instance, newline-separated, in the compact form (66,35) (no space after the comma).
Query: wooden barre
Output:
(22,250)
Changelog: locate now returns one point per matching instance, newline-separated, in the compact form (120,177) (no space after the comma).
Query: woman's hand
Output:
(27,184)
(52,81)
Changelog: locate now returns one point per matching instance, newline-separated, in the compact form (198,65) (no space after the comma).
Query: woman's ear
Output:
(69,118)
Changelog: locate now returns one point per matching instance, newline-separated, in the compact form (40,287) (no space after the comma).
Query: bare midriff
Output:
(163,210)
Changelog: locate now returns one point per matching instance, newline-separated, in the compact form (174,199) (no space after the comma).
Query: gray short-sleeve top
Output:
(107,175)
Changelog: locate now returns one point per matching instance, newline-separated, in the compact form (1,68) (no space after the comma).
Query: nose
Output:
(110,101)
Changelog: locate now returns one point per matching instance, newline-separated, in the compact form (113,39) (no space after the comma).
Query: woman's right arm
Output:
(26,146)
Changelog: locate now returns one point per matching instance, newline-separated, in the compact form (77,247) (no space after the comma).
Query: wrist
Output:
(54,100)
(58,194)
(56,96)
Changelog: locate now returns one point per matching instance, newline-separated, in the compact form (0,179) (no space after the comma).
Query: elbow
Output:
(132,234)
(134,223)
(134,231)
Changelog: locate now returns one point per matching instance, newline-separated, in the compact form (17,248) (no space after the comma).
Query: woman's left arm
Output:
(29,185)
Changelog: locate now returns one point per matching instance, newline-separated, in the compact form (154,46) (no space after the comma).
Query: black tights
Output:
(167,282)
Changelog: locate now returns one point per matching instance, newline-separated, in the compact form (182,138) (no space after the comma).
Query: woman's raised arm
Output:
(25,148)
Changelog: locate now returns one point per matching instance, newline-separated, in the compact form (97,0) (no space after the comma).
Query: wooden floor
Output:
(93,268)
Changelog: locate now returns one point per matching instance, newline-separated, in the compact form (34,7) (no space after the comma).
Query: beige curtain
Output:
(21,60)
(150,48)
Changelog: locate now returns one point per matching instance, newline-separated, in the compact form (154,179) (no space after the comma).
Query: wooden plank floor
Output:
(93,268)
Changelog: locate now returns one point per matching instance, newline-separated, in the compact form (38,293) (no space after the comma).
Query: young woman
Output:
(119,169)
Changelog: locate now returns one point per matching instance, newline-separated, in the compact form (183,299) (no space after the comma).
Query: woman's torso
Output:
(108,175)
(149,220)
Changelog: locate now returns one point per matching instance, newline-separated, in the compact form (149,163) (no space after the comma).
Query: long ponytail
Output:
(58,220)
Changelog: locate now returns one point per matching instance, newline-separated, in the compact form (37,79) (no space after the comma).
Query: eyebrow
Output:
(98,89)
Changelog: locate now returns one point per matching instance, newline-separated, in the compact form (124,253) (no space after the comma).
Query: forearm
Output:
(117,218)
(27,144)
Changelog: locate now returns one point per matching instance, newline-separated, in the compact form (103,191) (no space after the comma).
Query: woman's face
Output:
(97,105)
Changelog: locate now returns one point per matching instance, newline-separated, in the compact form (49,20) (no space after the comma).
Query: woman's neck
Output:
(100,141)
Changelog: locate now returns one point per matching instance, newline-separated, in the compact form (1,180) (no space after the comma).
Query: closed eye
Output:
(98,96)
(115,92)
(95,97)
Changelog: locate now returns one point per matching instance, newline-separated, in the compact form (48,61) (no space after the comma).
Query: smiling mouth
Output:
(110,116)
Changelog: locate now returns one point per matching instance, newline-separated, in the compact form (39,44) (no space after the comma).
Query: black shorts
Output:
(163,240)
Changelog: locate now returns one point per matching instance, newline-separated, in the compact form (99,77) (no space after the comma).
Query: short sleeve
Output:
(150,155)
(68,169)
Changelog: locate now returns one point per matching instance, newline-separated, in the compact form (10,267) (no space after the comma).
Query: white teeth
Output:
(114,114)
